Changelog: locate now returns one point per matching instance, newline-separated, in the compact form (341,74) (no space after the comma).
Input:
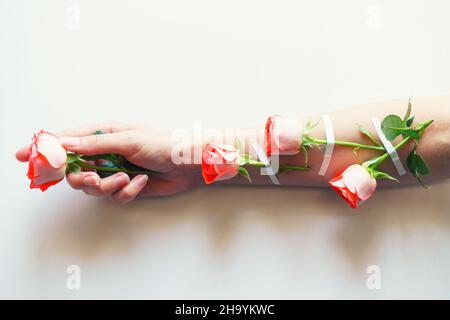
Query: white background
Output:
(228,63)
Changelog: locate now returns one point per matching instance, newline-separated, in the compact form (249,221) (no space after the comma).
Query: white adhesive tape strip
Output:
(263,158)
(388,146)
(329,132)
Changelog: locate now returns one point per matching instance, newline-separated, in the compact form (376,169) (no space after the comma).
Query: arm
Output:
(434,145)
(153,149)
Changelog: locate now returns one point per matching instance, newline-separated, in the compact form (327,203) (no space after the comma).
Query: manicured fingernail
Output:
(70,141)
(141,180)
(91,181)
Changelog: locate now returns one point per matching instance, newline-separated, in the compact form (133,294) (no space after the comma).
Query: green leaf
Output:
(408,111)
(106,156)
(421,182)
(99,132)
(73,168)
(243,172)
(368,134)
(421,166)
(417,166)
(72,157)
(392,126)
(107,164)
(411,161)
(410,121)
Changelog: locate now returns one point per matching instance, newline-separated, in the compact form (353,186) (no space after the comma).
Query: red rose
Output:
(283,135)
(354,185)
(219,162)
(46,161)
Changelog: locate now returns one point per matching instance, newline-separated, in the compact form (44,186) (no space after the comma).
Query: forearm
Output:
(434,145)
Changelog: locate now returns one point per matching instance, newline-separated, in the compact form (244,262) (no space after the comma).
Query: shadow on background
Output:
(90,227)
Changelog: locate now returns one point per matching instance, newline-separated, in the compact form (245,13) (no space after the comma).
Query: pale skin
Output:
(152,148)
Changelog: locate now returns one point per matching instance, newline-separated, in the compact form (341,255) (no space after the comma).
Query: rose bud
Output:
(46,161)
(219,162)
(283,136)
(354,185)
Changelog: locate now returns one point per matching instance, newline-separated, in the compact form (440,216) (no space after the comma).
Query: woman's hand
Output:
(144,147)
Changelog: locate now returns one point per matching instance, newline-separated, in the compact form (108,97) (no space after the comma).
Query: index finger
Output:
(106,127)
(87,130)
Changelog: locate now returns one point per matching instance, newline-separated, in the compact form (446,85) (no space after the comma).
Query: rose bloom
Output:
(46,161)
(283,136)
(219,162)
(354,185)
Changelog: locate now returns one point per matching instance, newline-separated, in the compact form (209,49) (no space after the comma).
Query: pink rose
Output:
(219,162)
(47,161)
(354,185)
(283,136)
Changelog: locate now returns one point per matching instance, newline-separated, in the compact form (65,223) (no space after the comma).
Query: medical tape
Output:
(268,168)
(329,132)
(388,146)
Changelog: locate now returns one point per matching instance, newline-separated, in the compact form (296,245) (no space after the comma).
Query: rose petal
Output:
(219,162)
(359,181)
(227,152)
(338,183)
(44,173)
(287,134)
(50,146)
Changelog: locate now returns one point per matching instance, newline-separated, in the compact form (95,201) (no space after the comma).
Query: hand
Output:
(144,147)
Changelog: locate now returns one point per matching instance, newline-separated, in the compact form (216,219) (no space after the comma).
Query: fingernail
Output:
(119,177)
(91,181)
(70,141)
(141,180)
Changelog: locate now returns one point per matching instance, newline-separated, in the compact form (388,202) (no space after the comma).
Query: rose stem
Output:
(348,144)
(282,166)
(99,168)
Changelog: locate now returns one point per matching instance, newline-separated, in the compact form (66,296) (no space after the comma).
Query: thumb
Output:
(121,143)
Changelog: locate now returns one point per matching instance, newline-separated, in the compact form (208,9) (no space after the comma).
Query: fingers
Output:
(91,183)
(118,185)
(106,127)
(121,142)
(75,180)
(131,190)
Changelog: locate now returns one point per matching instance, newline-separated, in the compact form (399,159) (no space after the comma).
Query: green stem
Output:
(386,155)
(256,163)
(288,167)
(107,169)
(348,144)
(260,164)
